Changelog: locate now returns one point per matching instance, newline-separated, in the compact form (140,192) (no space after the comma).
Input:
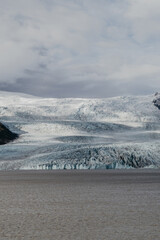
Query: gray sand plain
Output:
(76,205)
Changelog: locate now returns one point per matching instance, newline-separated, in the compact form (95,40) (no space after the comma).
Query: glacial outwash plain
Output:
(80,204)
(111,133)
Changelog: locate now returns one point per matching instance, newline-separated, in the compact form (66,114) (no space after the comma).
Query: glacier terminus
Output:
(74,133)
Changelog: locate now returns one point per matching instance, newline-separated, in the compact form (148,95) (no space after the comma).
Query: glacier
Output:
(74,133)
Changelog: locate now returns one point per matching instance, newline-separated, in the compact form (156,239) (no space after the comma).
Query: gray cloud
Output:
(80,48)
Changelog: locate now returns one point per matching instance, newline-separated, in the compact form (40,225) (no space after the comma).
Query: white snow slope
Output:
(119,132)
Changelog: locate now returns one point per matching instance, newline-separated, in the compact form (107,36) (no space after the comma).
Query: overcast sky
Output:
(80,48)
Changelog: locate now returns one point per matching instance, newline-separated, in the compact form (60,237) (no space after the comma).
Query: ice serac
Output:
(119,132)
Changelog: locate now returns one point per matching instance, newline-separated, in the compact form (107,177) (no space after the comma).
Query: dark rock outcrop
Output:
(6,135)
(156,100)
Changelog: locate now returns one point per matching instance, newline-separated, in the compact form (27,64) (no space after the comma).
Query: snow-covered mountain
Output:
(80,133)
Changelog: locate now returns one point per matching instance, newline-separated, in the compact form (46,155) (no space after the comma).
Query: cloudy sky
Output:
(80,48)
